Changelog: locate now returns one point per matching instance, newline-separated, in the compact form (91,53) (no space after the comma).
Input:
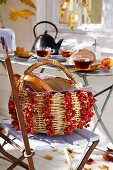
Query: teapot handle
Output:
(48,23)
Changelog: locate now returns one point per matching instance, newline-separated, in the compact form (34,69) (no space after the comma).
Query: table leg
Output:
(3,64)
(102,110)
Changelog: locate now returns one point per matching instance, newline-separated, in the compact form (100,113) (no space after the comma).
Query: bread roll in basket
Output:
(52,108)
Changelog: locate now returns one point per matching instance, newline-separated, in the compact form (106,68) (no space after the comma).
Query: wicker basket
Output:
(53,113)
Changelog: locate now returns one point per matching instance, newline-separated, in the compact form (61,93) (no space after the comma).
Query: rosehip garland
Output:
(29,110)
(69,113)
(12,112)
(47,118)
(86,104)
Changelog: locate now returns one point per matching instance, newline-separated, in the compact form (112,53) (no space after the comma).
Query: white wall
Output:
(23,28)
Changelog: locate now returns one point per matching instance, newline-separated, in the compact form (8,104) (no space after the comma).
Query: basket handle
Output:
(48,62)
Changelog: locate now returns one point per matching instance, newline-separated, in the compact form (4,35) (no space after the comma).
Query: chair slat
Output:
(42,141)
(89,135)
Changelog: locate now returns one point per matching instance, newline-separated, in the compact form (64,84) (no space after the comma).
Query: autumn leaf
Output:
(90,161)
(63,7)
(25,13)
(107,157)
(29,3)
(109,150)
(69,150)
(88,10)
(71,20)
(4,131)
(3,1)
(104,167)
(48,157)
(13,14)
(84,3)
(21,13)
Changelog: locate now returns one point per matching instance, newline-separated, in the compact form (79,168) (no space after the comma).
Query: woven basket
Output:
(53,113)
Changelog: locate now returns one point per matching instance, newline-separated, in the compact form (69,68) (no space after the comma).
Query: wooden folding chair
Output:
(39,141)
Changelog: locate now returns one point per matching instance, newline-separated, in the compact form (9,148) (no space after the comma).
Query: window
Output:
(100,15)
(91,13)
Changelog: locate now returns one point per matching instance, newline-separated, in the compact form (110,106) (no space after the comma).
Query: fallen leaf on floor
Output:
(107,157)
(66,162)
(71,155)
(90,161)
(103,167)
(48,157)
(69,150)
(54,150)
(109,150)
(4,131)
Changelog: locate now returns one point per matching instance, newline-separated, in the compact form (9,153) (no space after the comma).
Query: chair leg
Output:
(5,142)
(11,142)
(88,153)
(16,161)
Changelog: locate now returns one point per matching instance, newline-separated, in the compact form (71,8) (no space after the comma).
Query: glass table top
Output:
(24,61)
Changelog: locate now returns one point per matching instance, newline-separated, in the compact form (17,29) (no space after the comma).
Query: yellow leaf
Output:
(48,157)
(71,19)
(67,1)
(104,167)
(62,11)
(13,14)
(22,13)
(71,155)
(29,3)
(84,3)
(25,13)
(63,7)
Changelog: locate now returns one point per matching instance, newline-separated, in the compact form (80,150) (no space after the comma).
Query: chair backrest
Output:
(17,102)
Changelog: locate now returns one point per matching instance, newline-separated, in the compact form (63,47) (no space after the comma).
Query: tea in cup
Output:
(66,52)
(43,52)
(82,62)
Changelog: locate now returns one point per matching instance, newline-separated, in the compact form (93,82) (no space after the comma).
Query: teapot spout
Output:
(59,43)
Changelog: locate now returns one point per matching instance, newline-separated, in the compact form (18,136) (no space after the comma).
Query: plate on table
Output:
(54,57)
(67,65)
(93,67)
(58,58)
(19,58)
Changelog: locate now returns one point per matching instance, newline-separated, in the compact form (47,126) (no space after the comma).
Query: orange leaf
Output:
(109,150)
(29,3)
(69,150)
(104,167)
(90,161)
(25,13)
(107,157)
(13,14)
(84,3)
(48,157)
(71,19)
(22,13)
(63,7)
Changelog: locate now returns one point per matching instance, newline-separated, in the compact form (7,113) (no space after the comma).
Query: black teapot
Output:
(46,40)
